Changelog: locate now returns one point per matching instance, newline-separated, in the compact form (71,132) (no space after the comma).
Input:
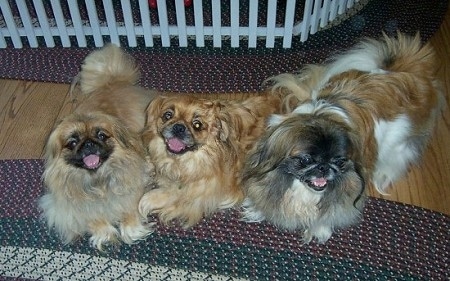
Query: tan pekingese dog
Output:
(95,163)
(362,118)
(198,146)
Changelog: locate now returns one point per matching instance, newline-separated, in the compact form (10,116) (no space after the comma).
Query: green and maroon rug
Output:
(393,242)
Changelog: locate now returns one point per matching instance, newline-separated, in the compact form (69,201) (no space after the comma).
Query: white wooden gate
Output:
(32,19)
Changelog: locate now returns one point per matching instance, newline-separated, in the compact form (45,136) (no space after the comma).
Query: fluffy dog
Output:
(96,169)
(198,147)
(362,118)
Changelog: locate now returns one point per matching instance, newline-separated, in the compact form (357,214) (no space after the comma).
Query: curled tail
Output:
(402,53)
(106,66)
(408,54)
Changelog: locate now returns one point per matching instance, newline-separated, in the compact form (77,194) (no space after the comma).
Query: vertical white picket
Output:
(43,23)
(94,23)
(77,24)
(217,25)
(350,4)
(199,24)
(271,23)
(60,23)
(289,23)
(342,6)
(111,22)
(2,39)
(163,23)
(181,23)
(316,14)
(252,23)
(325,13)
(234,15)
(10,24)
(306,20)
(27,24)
(315,17)
(146,24)
(334,9)
(129,23)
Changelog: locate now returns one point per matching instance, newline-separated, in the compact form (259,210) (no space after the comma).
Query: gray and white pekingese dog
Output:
(302,176)
(362,118)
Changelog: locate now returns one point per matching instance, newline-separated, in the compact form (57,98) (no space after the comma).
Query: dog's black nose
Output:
(88,143)
(322,167)
(89,146)
(178,128)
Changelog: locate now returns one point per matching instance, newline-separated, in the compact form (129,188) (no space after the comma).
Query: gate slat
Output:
(10,24)
(43,23)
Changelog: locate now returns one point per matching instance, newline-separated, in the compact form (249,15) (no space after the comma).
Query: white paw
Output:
(307,237)
(131,234)
(227,203)
(319,233)
(381,182)
(145,204)
(249,213)
(106,235)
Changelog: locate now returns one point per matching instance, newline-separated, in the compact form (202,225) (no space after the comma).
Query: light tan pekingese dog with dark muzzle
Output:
(95,163)
(198,146)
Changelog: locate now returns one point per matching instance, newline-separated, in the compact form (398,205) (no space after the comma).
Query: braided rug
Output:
(393,242)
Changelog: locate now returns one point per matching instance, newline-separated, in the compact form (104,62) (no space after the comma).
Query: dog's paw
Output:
(102,236)
(381,182)
(321,234)
(133,233)
(146,204)
(307,237)
(249,213)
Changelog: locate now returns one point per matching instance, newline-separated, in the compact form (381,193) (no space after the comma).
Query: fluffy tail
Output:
(106,66)
(408,54)
(397,54)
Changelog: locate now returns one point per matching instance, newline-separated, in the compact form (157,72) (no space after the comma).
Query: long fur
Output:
(382,95)
(205,179)
(102,203)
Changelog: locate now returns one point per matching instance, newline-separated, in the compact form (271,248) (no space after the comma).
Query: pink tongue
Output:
(91,161)
(320,182)
(176,145)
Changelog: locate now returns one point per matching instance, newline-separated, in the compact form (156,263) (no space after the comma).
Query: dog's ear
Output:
(261,153)
(127,138)
(360,174)
(223,121)
(234,121)
(224,129)
(53,147)
(153,110)
(276,119)
(261,160)
(121,134)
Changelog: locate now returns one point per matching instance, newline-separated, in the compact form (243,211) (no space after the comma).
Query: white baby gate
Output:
(41,21)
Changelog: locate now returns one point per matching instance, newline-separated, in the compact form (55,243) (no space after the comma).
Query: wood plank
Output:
(28,116)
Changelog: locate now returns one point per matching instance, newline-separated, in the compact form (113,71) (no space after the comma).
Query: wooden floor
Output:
(28,111)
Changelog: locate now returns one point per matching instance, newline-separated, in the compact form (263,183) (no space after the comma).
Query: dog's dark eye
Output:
(167,115)
(101,135)
(340,162)
(306,160)
(71,143)
(197,125)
